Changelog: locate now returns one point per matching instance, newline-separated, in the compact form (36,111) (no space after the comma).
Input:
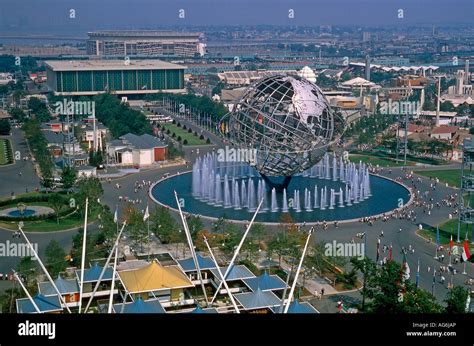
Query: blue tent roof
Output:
(64,286)
(45,304)
(265,282)
(299,308)
(204,263)
(139,306)
(237,272)
(258,299)
(93,273)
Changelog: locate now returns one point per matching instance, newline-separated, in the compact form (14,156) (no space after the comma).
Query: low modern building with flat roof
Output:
(124,77)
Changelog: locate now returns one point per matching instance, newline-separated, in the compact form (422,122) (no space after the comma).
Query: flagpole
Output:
(437,241)
(434,282)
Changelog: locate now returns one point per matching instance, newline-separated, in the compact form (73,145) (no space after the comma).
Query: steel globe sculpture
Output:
(287,120)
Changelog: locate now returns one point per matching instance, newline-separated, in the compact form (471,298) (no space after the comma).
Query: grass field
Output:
(450,176)
(6,155)
(445,231)
(374,161)
(184,134)
(49,225)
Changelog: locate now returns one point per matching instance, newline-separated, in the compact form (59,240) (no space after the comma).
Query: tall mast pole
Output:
(236,253)
(83,259)
(290,296)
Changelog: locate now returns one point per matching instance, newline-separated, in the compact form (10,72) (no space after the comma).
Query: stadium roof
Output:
(143,33)
(139,306)
(204,263)
(238,272)
(258,299)
(298,308)
(64,286)
(45,304)
(93,273)
(265,282)
(154,277)
(358,81)
(100,65)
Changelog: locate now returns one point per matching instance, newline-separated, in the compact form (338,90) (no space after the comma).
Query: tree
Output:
(163,224)
(195,225)
(456,300)
(368,270)
(27,268)
(418,301)
(91,188)
(56,202)
(257,232)
(137,228)
(68,177)
(347,278)
(5,127)
(55,258)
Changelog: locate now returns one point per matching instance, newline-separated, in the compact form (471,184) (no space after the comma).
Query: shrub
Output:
(173,135)
(179,138)
(190,131)
(174,122)
(179,125)
(195,133)
(168,131)
(208,141)
(184,127)
(201,137)
(185,142)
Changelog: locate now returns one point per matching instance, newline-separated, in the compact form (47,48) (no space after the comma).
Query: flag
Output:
(465,252)
(116,215)
(146,215)
(378,249)
(418,274)
(390,252)
(405,268)
(451,245)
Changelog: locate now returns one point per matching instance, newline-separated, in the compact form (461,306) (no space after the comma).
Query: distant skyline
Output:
(52,16)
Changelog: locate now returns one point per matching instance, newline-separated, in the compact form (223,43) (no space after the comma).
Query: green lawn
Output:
(445,231)
(450,176)
(49,225)
(184,134)
(374,161)
(6,154)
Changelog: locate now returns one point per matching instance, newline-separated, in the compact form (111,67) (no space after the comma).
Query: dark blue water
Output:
(385,197)
(26,212)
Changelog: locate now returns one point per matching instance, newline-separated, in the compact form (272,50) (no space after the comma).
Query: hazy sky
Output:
(53,15)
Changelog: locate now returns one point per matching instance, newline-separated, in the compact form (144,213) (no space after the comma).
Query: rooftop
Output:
(140,306)
(145,141)
(444,129)
(65,286)
(44,304)
(204,263)
(100,65)
(93,273)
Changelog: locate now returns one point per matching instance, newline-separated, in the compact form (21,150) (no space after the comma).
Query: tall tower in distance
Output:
(466,72)
(367,67)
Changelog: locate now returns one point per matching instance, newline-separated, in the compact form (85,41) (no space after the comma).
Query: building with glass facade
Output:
(124,77)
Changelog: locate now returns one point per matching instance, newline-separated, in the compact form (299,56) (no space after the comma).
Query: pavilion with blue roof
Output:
(140,306)
(257,300)
(92,274)
(65,286)
(49,304)
(265,282)
(298,308)
(200,310)
(205,263)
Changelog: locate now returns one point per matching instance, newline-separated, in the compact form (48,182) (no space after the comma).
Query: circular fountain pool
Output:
(330,191)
